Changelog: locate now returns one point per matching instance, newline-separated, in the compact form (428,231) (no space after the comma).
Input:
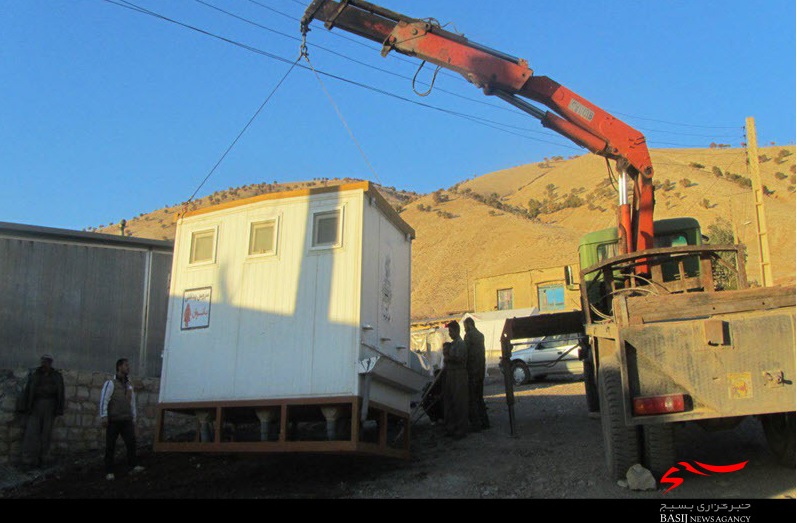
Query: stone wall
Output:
(79,429)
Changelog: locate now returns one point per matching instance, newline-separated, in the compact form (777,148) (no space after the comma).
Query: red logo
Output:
(676,481)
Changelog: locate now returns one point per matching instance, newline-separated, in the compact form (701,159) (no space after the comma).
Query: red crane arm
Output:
(512,80)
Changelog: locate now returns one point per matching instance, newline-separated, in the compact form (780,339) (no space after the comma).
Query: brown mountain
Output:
(533,215)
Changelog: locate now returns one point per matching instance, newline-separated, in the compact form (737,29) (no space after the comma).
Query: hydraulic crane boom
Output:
(511,79)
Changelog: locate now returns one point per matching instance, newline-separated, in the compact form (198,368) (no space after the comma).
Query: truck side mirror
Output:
(569,279)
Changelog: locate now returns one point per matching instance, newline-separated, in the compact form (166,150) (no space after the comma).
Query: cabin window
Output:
(262,238)
(203,246)
(551,297)
(327,229)
(504,299)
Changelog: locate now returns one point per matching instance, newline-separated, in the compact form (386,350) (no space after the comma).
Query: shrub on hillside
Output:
(535,208)
(696,165)
(721,233)
(717,171)
(573,200)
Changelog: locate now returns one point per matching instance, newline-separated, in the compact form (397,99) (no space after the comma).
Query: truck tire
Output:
(780,434)
(590,387)
(658,448)
(621,444)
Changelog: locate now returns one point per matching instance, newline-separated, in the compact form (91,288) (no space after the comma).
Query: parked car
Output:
(552,355)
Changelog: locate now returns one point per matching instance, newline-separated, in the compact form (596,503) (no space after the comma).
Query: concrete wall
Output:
(79,429)
(525,286)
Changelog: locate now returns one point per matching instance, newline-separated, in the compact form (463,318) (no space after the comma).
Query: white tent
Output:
(429,343)
(491,324)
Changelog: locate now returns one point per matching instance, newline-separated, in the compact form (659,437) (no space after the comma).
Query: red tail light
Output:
(659,404)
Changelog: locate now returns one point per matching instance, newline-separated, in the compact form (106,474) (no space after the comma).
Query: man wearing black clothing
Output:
(477,410)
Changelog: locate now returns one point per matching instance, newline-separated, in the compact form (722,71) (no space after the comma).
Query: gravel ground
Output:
(555,453)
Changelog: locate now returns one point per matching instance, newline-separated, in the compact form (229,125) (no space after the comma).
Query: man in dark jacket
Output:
(477,410)
(44,400)
(118,417)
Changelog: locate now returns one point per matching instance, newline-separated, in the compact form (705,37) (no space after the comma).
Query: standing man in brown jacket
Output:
(118,416)
(455,384)
(43,402)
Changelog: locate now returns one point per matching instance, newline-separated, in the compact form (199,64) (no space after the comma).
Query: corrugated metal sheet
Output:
(88,302)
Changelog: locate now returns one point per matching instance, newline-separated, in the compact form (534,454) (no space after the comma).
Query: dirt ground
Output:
(555,453)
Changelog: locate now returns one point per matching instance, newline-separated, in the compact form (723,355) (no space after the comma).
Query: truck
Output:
(675,332)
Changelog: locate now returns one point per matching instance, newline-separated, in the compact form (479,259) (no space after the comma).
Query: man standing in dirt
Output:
(43,401)
(477,410)
(118,416)
(455,384)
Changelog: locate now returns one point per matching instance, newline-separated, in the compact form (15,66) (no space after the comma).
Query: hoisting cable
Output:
(306,56)
(431,86)
(252,119)
(611,174)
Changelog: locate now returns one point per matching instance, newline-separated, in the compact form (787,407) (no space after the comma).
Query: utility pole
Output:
(758,194)
(467,288)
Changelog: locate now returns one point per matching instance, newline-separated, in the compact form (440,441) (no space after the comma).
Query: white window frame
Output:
(320,214)
(273,252)
(214,231)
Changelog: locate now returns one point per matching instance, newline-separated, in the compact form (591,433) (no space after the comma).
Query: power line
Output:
(252,119)
(690,134)
(353,40)
(341,55)
(482,121)
(479,120)
(677,123)
(681,124)
(455,76)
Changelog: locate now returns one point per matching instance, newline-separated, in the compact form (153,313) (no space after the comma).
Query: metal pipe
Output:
(521,104)
(623,187)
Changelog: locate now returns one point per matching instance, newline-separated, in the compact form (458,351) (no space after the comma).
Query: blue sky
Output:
(107,113)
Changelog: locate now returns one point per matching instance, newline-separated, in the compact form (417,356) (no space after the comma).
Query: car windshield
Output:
(547,342)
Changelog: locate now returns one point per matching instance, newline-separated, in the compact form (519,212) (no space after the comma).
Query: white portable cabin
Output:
(288,310)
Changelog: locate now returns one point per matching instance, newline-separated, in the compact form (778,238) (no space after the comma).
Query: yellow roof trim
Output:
(365,186)
(277,196)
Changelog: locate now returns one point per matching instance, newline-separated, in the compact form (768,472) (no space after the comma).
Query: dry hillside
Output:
(532,215)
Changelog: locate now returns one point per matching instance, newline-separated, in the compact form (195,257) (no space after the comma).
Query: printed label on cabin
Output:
(196,308)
